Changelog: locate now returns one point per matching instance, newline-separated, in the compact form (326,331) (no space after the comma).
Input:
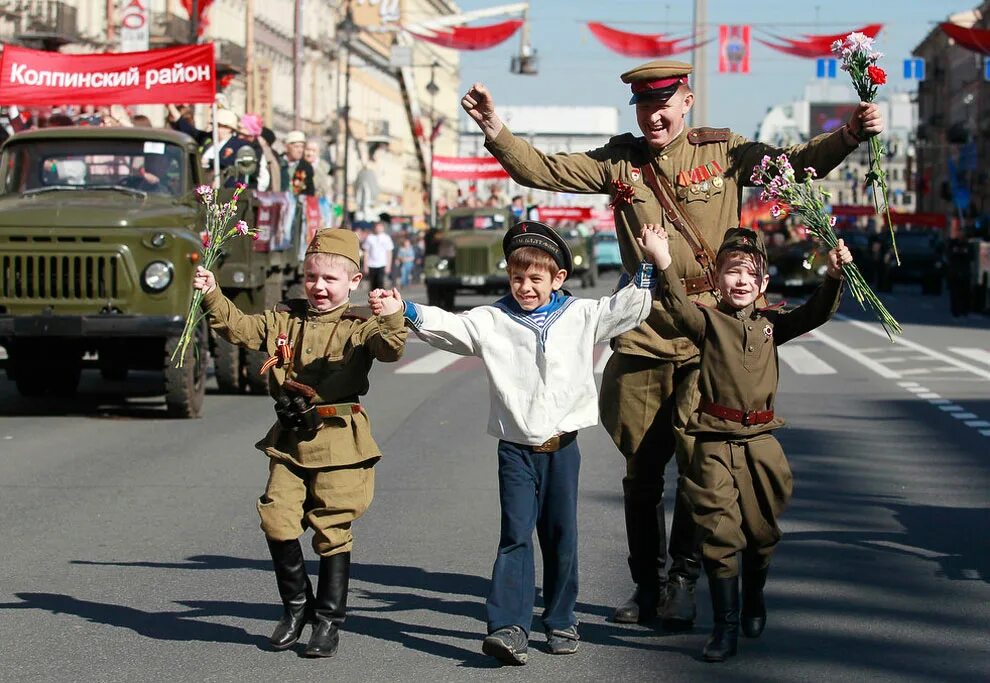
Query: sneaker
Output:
(508,645)
(563,641)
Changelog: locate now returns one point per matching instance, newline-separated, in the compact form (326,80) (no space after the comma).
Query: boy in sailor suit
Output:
(537,346)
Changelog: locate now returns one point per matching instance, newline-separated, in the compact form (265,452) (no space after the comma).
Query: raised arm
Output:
(384,336)
(820,306)
(225,318)
(458,333)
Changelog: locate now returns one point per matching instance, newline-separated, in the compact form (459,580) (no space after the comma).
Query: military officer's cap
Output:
(743,239)
(539,236)
(336,241)
(657,80)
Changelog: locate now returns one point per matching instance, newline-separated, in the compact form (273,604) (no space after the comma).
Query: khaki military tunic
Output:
(738,480)
(328,481)
(711,204)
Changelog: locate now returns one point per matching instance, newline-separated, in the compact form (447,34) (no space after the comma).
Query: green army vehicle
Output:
(468,255)
(99,238)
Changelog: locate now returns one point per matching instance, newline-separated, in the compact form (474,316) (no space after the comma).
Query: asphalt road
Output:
(131,548)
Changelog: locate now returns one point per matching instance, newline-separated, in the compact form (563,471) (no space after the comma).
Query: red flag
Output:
(468,168)
(176,74)
(733,49)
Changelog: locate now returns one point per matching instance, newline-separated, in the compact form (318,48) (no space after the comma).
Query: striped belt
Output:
(743,417)
(555,443)
(338,409)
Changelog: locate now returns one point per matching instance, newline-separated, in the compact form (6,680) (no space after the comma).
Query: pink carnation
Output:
(241,228)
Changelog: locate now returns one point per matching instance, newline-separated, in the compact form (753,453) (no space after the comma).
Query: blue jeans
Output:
(536,491)
(405,273)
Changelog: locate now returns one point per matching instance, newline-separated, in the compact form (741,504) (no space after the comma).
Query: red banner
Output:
(638,44)
(468,37)
(468,168)
(173,75)
(733,49)
(563,213)
(975,39)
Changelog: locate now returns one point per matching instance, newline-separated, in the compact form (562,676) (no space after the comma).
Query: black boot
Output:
(754,609)
(678,611)
(295,590)
(725,610)
(646,533)
(330,605)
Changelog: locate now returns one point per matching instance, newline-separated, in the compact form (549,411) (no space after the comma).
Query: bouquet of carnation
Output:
(860,60)
(780,184)
(218,231)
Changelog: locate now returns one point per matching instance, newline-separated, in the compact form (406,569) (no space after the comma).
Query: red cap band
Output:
(643,86)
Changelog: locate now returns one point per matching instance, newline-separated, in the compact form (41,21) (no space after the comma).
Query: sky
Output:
(576,70)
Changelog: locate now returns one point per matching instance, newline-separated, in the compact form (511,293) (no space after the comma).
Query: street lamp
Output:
(346,29)
(432,89)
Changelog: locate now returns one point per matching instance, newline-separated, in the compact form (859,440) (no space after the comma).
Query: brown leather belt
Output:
(555,443)
(338,409)
(745,418)
(696,285)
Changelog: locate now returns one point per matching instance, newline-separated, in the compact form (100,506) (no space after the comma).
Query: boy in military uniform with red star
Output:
(738,482)
(321,452)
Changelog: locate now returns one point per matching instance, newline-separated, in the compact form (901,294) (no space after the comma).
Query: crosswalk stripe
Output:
(803,362)
(433,362)
(602,360)
(979,355)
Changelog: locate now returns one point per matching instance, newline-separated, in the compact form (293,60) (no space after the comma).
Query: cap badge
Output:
(634,174)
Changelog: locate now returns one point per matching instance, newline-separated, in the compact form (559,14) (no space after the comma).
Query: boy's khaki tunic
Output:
(329,479)
(632,394)
(739,482)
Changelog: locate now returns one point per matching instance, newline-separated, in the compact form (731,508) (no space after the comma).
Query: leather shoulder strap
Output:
(664,193)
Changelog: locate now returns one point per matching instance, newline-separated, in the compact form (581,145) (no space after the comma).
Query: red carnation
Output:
(877,75)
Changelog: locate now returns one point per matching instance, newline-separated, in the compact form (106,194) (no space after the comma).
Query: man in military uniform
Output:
(649,383)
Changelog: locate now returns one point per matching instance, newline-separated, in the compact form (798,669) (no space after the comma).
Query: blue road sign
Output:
(914,69)
(826,67)
(986,68)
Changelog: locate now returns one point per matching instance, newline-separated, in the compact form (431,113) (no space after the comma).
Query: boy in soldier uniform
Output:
(322,454)
(537,346)
(738,480)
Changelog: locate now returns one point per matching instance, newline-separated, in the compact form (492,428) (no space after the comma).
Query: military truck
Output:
(467,256)
(99,237)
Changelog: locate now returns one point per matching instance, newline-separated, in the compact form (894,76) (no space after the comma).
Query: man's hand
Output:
(204,280)
(836,258)
(480,106)
(865,122)
(653,241)
(385,301)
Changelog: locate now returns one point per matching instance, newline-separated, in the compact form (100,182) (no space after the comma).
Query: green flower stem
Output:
(880,190)
(189,330)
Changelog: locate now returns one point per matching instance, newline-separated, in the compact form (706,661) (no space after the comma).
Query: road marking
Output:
(931,353)
(929,394)
(964,416)
(978,423)
(855,355)
(804,362)
(431,363)
(985,432)
(979,355)
(602,360)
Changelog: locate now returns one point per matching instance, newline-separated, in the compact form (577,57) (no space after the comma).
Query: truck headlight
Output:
(502,264)
(157,275)
(442,264)
(578,260)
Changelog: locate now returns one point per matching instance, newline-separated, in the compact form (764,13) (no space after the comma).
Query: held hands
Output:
(865,122)
(837,258)
(653,241)
(204,280)
(385,301)
(480,106)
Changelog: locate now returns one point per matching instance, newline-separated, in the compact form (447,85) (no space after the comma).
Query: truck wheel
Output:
(253,360)
(185,387)
(447,299)
(227,367)
(433,295)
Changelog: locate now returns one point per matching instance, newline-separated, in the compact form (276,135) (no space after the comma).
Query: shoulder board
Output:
(625,139)
(703,136)
(359,313)
(772,307)
(701,305)
(291,306)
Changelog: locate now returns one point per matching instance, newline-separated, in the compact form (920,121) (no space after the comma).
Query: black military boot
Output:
(677,610)
(725,611)
(754,609)
(646,533)
(330,605)
(295,590)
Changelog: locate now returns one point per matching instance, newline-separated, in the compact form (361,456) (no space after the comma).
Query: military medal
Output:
(768,331)
(282,355)
(717,181)
(634,174)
